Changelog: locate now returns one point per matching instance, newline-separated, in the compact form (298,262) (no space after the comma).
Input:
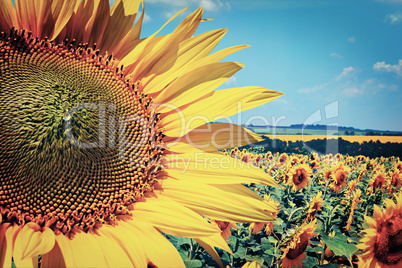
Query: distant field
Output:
(359,139)
(311,131)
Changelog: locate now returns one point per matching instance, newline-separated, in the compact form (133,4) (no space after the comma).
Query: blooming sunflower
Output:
(102,145)
(294,251)
(283,158)
(339,178)
(355,200)
(383,239)
(379,181)
(315,205)
(299,176)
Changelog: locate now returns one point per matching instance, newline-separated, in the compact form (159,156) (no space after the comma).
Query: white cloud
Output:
(382,66)
(170,2)
(336,55)
(209,5)
(351,39)
(231,81)
(147,18)
(393,18)
(345,72)
(334,82)
(352,91)
(390,1)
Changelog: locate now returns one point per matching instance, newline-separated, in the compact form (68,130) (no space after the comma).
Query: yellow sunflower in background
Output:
(315,205)
(355,201)
(283,159)
(382,242)
(339,176)
(294,251)
(379,181)
(299,176)
(99,136)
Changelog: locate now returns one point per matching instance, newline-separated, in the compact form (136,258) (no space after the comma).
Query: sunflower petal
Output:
(190,55)
(158,249)
(123,14)
(125,235)
(172,218)
(208,169)
(31,241)
(233,203)
(54,258)
(230,101)
(8,17)
(197,83)
(218,136)
(211,251)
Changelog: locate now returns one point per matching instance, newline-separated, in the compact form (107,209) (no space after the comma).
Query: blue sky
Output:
(338,62)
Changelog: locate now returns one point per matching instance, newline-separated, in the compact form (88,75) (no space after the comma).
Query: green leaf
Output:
(193,263)
(272,239)
(339,245)
(183,241)
(240,253)
(310,262)
(329,265)
(257,259)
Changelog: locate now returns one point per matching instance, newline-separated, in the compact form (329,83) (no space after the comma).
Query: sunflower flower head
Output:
(379,181)
(295,246)
(355,200)
(96,135)
(314,206)
(339,176)
(382,241)
(299,176)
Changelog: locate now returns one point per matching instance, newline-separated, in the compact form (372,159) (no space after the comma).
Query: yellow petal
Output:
(61,13)
(196,84)
(172,218)
(190,56)
(8,17)
(157,247)
(219,136)
(214,169)
(96,25)
(123,14)
(31,241)
(378,213)
(83,249)
(211,251)
(229,101)
(115,255)
(6,244)
(233,203)
(126,236)
(141,55)
(54,258)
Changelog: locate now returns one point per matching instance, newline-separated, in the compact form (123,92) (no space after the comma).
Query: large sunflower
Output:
(104,142)
(383,239)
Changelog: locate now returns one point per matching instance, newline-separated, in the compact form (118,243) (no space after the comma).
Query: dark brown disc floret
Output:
(79,142)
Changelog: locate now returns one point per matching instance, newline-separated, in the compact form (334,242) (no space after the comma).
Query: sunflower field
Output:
(331,211)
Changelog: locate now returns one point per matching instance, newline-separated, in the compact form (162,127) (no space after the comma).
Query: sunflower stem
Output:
(322,254)
(351,263)
(291,214)
(326,189)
